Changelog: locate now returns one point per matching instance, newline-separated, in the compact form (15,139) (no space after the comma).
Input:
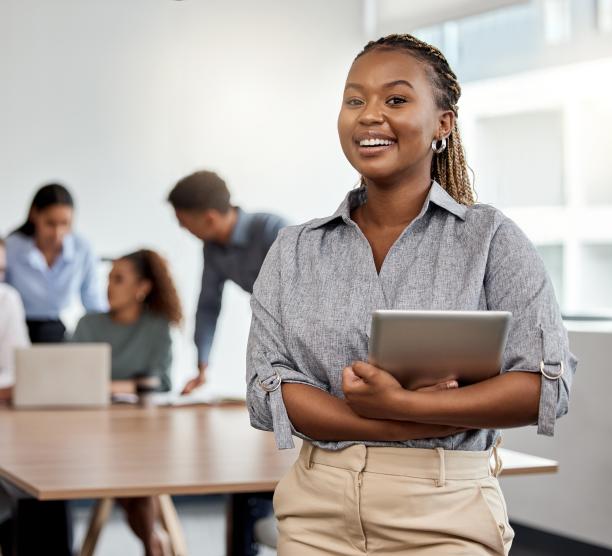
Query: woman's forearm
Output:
(508,400)
(123,387)
(321,416)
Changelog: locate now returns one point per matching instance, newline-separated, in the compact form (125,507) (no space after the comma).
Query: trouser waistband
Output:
(436,464)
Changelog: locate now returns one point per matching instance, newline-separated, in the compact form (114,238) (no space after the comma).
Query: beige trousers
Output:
(391,501)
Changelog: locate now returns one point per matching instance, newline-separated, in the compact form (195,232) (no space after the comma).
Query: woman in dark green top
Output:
(143,305)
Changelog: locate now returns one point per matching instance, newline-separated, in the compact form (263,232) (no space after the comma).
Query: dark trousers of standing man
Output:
(245,509)
(37,527)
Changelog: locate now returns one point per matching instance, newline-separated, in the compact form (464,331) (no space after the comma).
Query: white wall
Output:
(119,99)
(577,501)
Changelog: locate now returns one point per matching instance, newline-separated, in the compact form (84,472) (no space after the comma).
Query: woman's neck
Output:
(392,205)
(49,253)
(128,314)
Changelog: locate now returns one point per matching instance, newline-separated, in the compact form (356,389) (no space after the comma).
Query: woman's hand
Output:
(370,391)
(376,394)
(123,387)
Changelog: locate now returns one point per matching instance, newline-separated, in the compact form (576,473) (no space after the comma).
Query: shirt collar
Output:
(356,197)
(35,257)
(439,196)
(240,233)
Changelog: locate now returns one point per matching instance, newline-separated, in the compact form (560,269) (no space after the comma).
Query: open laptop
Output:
(62,375)
(421,348)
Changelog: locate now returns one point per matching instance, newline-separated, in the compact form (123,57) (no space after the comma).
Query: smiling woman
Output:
(384,470)
(430,74)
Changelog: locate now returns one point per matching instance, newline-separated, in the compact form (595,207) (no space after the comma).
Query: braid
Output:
(449,168)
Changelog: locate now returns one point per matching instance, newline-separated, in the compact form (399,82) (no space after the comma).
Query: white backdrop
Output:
(118,99)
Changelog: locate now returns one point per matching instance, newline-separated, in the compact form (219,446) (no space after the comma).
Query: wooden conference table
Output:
(127,451)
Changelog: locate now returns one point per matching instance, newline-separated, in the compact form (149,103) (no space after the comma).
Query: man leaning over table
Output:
(235,246)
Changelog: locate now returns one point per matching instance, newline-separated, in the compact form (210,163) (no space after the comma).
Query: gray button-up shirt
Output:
(239,261)
(313,301)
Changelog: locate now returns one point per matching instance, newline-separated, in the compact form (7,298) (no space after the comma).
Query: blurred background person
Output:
(13,331)
(49,265)
(235,245)
(13,334)
(143,305)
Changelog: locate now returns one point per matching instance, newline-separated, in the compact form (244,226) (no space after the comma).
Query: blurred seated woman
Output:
(13,331)
(13,334)
(143,305)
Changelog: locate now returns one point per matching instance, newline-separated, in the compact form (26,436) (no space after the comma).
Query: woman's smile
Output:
(373,143)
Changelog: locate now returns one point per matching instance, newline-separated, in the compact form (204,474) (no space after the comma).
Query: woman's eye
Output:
(354,102)
(396,100)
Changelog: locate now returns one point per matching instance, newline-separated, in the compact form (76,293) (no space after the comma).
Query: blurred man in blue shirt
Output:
(235,246)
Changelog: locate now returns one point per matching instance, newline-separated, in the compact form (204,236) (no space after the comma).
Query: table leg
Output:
(99,516)
(170,521)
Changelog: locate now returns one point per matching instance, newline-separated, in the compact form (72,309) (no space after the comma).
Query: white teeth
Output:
(375,142)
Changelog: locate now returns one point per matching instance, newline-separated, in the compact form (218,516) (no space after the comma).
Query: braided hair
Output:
(449,168)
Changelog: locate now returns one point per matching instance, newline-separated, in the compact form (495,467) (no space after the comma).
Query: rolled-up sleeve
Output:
(517,281)
(268,362)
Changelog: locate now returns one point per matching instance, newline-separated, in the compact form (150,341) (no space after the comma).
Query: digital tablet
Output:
(421,348)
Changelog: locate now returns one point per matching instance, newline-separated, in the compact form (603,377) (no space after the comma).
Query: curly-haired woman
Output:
(143,304)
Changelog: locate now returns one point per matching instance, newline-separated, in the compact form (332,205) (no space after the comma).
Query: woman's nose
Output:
(372,113)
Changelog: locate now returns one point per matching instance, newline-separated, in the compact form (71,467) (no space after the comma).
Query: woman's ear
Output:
(446,123)
(144,289)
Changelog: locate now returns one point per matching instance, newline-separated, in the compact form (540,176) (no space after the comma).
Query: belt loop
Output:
(498,464)
(441,480)
(309,450)
(363,460)
(363,454)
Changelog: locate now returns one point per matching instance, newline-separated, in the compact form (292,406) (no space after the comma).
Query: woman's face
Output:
(389,117)
(52,224)
(125,287)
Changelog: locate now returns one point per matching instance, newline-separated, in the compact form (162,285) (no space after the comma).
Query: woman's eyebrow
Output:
(385,86)
(397,82)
